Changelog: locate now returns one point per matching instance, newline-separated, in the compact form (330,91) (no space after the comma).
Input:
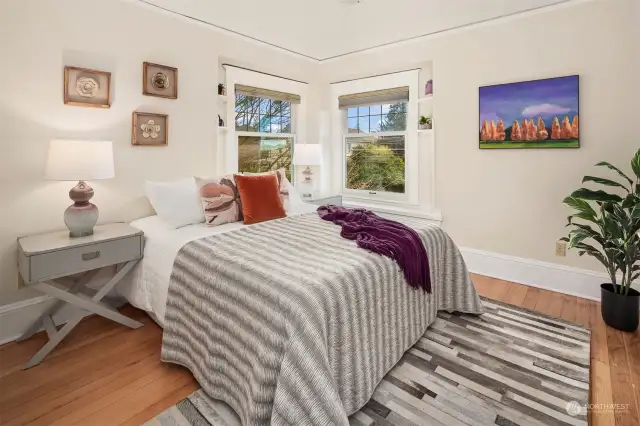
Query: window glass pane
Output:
(363,111)
(241,121)
(375,123)
(253,119)
(265,106)
(286,124)
(400,122)
(352,125)
(385,108)
(363,124)
(401,107)
(241,103)
(262,154)
(375,109)
(375,163)
(276,107)
(394,122)
(352,112)
(265,124)
(263,115)
(285,109)
(276,124)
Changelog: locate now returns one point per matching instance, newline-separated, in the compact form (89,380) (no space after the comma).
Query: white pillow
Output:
(294,197)
(176,202)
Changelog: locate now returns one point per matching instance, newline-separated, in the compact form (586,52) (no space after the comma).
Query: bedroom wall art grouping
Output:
(92,88)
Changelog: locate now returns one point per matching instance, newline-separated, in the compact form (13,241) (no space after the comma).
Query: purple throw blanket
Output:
(385,237)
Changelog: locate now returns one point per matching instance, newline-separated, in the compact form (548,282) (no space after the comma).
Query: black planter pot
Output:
(620,311)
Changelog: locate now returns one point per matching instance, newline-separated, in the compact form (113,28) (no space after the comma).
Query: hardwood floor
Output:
(106,374)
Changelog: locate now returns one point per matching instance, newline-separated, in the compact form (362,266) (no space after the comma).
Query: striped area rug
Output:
(510,366)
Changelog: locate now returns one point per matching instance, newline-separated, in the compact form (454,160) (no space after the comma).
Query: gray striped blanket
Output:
(290,323)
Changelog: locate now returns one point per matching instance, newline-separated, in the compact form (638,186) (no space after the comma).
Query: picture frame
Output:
(149,129)
(159,80)
(87,87)
(532,114)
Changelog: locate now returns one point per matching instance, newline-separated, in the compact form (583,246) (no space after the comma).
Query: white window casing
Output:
(228,141)
(343,93)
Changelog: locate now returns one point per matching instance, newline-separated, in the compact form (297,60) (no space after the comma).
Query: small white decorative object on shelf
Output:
(80,160)
(307,155)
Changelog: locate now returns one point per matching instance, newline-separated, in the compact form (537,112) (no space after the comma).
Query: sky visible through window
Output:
(377,118)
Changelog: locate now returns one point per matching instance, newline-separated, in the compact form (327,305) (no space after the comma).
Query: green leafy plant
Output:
(609,224)
(424,120)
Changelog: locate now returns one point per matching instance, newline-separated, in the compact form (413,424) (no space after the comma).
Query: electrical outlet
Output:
(561,248)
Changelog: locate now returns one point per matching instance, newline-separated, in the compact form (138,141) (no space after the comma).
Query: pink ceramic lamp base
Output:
(81,216)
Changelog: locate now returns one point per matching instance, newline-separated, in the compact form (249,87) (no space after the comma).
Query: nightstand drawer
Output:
(82,258)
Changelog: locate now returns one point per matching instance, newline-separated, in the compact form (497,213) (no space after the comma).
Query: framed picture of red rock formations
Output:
(530,114)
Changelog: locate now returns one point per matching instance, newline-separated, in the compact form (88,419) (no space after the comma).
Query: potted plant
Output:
(425,122)
(609,230)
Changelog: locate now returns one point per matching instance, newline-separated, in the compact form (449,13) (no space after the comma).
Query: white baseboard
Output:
(546,275)
(15,317)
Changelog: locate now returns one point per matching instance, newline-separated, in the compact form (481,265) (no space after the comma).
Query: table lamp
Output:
(307,155)
(81,161)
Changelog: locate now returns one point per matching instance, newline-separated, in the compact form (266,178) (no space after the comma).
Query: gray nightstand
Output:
(47,257)
(332,199)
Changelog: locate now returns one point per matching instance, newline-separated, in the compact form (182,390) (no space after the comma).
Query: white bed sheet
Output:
(147,286)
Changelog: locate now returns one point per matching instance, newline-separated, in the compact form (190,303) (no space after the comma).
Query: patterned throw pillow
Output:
(282,184)
(220,200)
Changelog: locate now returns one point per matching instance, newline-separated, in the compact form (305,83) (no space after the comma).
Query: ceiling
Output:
(323,29)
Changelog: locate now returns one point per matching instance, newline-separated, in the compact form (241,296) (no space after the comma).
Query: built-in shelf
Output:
(223,98)
(425,131)
(222,128)
(426,98)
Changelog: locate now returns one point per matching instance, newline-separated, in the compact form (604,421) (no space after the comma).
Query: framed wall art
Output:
(87,87)
(530,114)
(150,129)
(159,80)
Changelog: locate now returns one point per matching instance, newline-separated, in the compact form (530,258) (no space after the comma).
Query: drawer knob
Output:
(91,255)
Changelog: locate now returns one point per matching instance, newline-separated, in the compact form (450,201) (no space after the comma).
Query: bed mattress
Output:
(147,286)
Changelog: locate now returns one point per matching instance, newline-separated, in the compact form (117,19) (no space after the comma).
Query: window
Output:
(374,145)
(377,118)
(257,152)
(374,149)
(375,163)
(263,115)
(262,154)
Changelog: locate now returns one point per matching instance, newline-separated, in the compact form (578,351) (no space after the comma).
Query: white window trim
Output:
(400,79)
(228,142)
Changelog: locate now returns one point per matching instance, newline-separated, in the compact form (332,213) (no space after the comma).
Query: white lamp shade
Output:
(79,160)
(307,155)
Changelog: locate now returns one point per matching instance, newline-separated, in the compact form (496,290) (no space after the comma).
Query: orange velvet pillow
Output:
(260,198)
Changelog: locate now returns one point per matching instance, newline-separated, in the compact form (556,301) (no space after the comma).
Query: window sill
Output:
(402,210)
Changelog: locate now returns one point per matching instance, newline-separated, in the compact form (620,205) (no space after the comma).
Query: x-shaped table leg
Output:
(86,304)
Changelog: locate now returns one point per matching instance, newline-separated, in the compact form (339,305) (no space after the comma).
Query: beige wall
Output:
(39,37)
(510,201)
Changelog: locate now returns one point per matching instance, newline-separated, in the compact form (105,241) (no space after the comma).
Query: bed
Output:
(286,321)
(148,284)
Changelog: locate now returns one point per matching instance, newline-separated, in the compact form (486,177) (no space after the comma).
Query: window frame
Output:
(340,134)
(227,147)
